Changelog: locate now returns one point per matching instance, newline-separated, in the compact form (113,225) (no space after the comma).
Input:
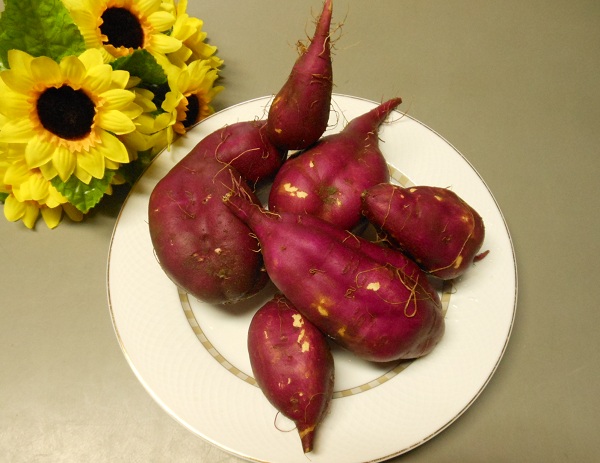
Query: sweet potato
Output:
(245,146)
(299,113)
(292,364)
(433,225)
(327,180)
(204,248)
(372,309)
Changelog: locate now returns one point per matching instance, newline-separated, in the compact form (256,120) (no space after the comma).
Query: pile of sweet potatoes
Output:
(216,240)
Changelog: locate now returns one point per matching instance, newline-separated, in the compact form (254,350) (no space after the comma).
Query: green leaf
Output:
(40,28)
(3,197)
(142,64)
(81,195)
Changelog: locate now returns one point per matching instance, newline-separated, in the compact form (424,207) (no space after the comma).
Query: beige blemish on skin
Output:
(322,310)
(374,286)
(266,334)
(321,306)
(458,261)
(294,191)
(304,345)
(218,251)
(342,331)
(298,320)
(439,198)
(311,164)
(412,190)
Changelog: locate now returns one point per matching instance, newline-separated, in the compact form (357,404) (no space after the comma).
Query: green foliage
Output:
(142,64)
(81,195)
(40,28)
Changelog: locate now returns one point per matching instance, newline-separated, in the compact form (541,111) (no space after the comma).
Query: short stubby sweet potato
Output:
(327,179)
(374,310)
(433,225)
(292,364)
(200,244)
(245,146)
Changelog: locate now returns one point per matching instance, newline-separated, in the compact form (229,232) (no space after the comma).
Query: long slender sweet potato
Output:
(245,146)
(327,180)
(204,248)
(299,113)
(372,309)
(292,364)
(431,224)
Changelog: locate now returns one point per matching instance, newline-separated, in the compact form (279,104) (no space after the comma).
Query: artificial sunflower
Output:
(187,100)
(196,84)
(189,31)
(67,114)
(28,194)
(119,27)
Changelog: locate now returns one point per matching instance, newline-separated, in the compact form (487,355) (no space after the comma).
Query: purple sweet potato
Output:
(372,309)
(299,113)
(200,244)
(433,225)
(327,180)
(245,146)
(292,364)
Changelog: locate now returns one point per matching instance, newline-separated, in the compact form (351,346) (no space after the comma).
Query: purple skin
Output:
(327,180)
(433,225)
(201,246)
(292,364)
(299,113)
(383,255)
(246,147)
(374,310)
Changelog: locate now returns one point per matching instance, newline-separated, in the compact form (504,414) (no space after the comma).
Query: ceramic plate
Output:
(192,358)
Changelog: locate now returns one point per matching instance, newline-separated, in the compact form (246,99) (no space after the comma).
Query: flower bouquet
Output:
(90,92)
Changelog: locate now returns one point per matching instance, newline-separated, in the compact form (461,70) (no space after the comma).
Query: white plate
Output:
(192,358)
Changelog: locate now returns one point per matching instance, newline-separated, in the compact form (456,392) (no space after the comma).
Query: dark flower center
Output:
(122,28)
(193,111)
(66,112)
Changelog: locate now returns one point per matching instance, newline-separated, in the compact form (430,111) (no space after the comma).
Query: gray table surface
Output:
(511,84)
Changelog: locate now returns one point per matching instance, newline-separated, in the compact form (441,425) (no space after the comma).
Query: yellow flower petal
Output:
(13,209)
(117,98)
(46,71)
(17,131)
(112,148)
(82,175)
(91,161)
(91,58)
(52,216)
(73,71)
(98,79)
(120,78)
(16,173)
(14,103)
(64,162)
(48,171)
(148,6)
(165,44)
(161,20)
(38,152)
(115,121)
(32,212)
(38,188)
